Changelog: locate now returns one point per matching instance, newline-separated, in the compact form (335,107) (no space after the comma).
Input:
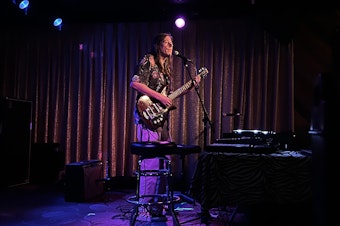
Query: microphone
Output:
(176,53)
(231,114)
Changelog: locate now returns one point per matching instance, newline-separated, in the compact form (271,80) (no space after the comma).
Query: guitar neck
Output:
(180,90)
(203,72)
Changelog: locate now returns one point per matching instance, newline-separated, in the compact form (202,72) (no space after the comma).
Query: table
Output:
(222,179)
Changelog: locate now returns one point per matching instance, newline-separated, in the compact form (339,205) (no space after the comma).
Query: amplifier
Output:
(83,180)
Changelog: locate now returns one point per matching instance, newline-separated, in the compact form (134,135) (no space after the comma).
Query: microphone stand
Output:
(206,116)
(205,121)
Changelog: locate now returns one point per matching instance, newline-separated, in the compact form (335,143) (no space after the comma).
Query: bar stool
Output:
(159,150)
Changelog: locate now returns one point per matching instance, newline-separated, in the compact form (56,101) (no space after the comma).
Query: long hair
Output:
(157,42)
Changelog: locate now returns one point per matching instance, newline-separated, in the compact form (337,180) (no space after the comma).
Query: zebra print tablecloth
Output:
(222,179)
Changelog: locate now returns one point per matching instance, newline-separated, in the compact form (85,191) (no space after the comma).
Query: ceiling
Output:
(281,18)
(100,10)
(131,10)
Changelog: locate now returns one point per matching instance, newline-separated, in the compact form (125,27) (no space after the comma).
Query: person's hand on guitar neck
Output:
(197,81)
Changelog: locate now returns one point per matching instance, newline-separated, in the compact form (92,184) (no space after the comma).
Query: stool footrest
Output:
(148,200)
(160,172)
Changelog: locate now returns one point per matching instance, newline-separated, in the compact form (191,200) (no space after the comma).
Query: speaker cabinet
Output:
(83,180)
(15,141)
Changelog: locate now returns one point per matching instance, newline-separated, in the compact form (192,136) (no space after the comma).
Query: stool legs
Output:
(153,200)
(171,196)
(135,211)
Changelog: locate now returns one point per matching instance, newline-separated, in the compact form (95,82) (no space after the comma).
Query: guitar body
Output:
(153,113)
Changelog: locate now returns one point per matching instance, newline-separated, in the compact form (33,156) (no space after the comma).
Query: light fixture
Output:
(180,22)
(24,5)
(58,22)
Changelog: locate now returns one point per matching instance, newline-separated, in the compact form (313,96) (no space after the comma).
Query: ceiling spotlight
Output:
(180,22)
(24,5)
(58,23)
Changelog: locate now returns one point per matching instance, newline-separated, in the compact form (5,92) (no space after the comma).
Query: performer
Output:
(153,79)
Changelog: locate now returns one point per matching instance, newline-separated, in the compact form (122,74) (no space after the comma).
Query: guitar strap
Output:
(166,75)
(152,61)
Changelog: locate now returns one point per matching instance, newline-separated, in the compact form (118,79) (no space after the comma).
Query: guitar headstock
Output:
(203,72)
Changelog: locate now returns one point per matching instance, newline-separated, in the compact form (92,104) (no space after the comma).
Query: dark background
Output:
(312,28)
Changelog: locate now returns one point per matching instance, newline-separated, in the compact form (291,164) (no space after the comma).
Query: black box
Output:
(47,163)
(83,180)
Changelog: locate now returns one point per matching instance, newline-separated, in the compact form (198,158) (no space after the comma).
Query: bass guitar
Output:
(153,113)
